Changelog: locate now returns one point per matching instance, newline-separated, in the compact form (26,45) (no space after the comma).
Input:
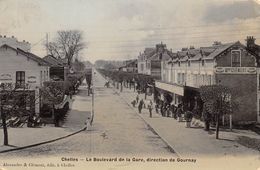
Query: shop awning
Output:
(173,88)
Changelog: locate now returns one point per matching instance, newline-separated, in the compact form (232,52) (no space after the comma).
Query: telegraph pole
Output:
(93,96)
(47,44)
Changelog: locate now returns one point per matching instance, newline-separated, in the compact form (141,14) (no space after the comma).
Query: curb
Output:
(151,128)
(42,143)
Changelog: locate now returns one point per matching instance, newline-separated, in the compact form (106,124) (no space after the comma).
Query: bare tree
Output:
(67,44)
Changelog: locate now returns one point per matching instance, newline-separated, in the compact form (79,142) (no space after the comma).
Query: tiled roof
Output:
(165,56)
(32,56)
(52,61)
(218,50)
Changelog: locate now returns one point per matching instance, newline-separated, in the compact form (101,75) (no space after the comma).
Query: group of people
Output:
(141,104)
(168,110)
(165,109)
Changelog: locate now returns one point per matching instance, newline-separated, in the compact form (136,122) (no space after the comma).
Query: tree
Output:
(218,100)
(78,65)
(67,45)
(53,93)
(14,101)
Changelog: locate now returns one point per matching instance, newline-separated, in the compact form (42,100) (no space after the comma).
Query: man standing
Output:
(150,108)
(137,98)
(140,106)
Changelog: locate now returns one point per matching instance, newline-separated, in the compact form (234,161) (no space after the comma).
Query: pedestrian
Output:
(150,108)
(188,117)
(179,112)
(133,103)
(140,106)
(88,123)
(156,107)
(174,111)
(168,110)
(137,98)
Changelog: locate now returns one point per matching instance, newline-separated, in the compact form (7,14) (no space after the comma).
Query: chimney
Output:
(250,41)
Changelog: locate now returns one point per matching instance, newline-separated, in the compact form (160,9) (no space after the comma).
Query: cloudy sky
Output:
(120,29)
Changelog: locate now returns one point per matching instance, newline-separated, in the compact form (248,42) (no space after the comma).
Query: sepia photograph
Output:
(130,84)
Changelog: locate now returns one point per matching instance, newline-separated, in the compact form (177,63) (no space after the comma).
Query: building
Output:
(149,62)
(130,66)
(231,65)
(58,70)
(25,70)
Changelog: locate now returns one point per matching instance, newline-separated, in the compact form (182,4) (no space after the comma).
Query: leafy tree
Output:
(218,100)
(53,94)
(14,102)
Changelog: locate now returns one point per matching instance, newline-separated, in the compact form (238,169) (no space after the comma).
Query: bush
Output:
(53,92)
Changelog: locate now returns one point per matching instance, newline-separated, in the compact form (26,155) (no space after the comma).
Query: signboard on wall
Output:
(6,77)
(31,79)
(235,70)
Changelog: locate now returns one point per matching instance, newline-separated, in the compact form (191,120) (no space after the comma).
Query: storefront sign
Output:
(235,70)
(31,79)
(5,77)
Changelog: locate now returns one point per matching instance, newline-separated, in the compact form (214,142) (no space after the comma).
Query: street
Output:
(116,130)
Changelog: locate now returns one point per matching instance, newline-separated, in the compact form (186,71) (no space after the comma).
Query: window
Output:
(41,78)
(235,58)
(142,67)
(20,79)
(188,63)
(179,78)
(203,62)
(209,80)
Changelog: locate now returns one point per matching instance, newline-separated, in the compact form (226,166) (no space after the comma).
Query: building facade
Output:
(23,69)
(130,66)
(231,65)
(149,62)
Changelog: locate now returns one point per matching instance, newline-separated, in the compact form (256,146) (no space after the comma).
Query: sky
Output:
(121,29)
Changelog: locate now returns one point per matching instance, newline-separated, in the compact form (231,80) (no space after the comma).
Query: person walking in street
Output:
(156,107)
(133,103)
(168,110)
(140,106)
(137,98)
(179,112)
(150,108)
(173,110)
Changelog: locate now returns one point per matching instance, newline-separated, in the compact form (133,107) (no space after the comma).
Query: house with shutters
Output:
(230,64)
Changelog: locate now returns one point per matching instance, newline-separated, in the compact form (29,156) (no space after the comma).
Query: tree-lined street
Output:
(117,129)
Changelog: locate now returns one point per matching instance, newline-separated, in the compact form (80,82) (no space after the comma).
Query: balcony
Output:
(171,87)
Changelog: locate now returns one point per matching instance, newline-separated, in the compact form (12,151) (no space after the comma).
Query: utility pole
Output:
(47,44)
(93,96)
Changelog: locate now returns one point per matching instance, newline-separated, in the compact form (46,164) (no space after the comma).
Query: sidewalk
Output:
(20,137)
(193,141)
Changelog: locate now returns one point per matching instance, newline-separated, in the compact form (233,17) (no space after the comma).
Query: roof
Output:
(218,50)
(32,56)
(53,61)
(165,56)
